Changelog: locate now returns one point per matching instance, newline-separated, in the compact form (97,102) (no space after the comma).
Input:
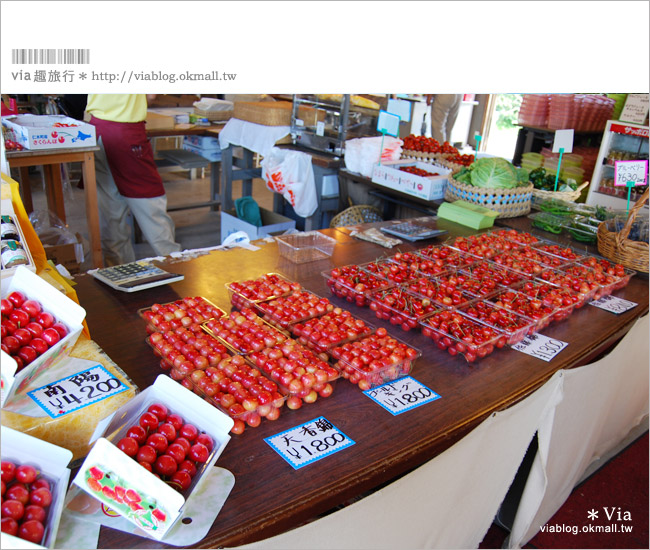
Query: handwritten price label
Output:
(309,442)
(77,391)
(540,346)
(401,395)
(630,171)
(613,304)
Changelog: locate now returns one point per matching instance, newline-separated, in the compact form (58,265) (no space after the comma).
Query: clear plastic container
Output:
(304,247)
(492,275)
(401,307)
(527,264)
(298,306)
(531,308)
(245,294)
(560,251)
(429,267)
(585,288)
(514,326)
(442,293)
(561,299)
(353,284)
(391,272)
(179,313)
(484,245)
(519,237)
(375,360)
(613,274)
(330,330)
(459,334)
(446,255)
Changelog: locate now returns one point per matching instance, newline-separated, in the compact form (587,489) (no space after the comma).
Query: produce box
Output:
(275,113)
(271,223)
(51,464)
(38,132)
(428,188)
(58,305)
(129,489)
(156,121)
(70,255)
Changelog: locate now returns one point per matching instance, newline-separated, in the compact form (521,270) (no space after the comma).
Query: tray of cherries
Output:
(353,283)
(298,306)
(514,326)
(244,294)
(375,359)
(519,237)
(422,265)
(438,291)
(484,245)
(562,300)
(534,309)
(401,307)
(330,330)
(619,273)
(446,256)
(191,310)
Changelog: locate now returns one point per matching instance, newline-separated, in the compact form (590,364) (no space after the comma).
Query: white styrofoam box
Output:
(7,209)
(58,304)
(428,188)
(330,186)
(124,470)
(213,155)
(52,463)
(204,142)
(272,222)
(36,132)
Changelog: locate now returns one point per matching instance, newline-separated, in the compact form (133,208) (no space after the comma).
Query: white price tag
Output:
(320,128)
(635,171)
(613,304)
(77,391)
(540,346)
(563,140)
(309,442)
(401,395)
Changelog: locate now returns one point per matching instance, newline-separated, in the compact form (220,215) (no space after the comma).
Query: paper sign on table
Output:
(401,395)
(613,304)
(635,171)
(540,346)
(563,140)
(74,392)
(309,442)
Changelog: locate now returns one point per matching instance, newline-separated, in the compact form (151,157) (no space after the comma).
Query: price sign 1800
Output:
(402,395)
(540,346)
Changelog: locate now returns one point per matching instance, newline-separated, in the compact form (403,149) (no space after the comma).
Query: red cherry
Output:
(26,473)
(8,471)
(158,442)
(128,445)
(149,421)
(13,509)
(159,410)
(18,491)
(146,454)
(41,497)
(9,526)
(31,531)
(138,433)
(199,453)
(16,298)
(34,511)
(181,480)
(165,465)
(189,432)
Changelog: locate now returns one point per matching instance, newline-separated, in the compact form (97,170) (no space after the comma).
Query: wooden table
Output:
(51,161)
(269,497)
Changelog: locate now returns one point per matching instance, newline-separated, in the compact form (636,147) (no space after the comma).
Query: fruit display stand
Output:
(268,496)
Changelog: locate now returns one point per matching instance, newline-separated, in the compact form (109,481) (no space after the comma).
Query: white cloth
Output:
(602,402)
(449,502)
(254,137)
(115,228)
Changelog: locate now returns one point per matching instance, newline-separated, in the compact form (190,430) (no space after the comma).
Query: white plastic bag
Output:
(291,173)
(362,154)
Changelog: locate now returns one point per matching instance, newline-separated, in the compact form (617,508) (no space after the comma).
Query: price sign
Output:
(401,395)
(635,171)
(388,123)
(540,346)
(77,391)
(309,442)
(400,108)
(563,141)
(613,304)
(320,128)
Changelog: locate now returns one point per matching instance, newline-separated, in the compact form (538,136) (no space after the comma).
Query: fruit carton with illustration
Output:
(155,452)
(34,483)
(420,179)
(40,325)
(37,132)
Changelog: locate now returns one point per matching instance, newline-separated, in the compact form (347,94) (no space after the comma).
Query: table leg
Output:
(92,211)
(215,176)
(26,189)
(226,179)
(247,185)
(54,190)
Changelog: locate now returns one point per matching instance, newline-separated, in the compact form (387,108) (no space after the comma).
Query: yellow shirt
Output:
(118,107)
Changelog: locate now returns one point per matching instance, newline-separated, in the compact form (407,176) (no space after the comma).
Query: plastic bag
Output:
(50,229)
(291,173)
(361,154)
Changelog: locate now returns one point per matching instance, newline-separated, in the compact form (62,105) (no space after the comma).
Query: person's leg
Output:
(438,118)
(156,225)
(452,114)
(115,228)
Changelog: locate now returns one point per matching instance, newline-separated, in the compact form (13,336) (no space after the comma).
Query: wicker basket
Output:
(509,203)
(616,247)
(361,213)
(539,195)
(214,115)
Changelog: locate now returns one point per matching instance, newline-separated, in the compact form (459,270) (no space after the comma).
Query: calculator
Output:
(412,232)
(135,276)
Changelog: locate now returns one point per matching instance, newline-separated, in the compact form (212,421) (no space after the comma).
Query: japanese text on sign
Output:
(77,391)
(309,442)
(635,171)
(540,346)
(613,304)
(401,395)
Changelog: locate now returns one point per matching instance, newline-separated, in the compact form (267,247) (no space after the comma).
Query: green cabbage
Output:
(496,172)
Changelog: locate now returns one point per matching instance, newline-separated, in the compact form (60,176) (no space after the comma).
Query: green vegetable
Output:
(497,173)
(464,175)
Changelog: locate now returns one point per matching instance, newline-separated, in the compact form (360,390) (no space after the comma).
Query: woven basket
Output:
(361,213)
(214,115)
(509,203)
(615,246)
(539,195)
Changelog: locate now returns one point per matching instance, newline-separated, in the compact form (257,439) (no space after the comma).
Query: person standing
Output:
(444,111)
(127,178)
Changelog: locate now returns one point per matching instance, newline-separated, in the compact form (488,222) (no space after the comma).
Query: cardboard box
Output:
(51,461)
(389,175)
(272,223)
(70,255)
(157,505)
(58,304)
(38,132)
(156,121)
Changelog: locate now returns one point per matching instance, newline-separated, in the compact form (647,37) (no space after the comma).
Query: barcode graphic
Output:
(50,56)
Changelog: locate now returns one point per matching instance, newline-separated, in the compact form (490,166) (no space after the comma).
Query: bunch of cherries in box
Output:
(401,307)
(322,333)
(353,283)
(270,285)
(297,306)
(186,312)
(245,331)
(26,498)
(164,444)
(28,331)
